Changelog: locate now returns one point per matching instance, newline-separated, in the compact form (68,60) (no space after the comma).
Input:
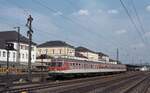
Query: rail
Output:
(65,83)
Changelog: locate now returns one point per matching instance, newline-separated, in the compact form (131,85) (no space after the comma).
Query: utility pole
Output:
(29,34)
(18,45)
(117,58)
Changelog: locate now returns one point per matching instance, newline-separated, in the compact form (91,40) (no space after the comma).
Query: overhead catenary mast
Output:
(29,34)
(117,58)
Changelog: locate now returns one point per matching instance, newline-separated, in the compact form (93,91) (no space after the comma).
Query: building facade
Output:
(20,52)
(56,49)
(91,55)
(103,57)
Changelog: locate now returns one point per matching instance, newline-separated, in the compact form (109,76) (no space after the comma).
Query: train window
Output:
(96,66)
(84,66)
(70,64)
(73,64)
(91,66)
(48,64)
(55,64)
(59,64)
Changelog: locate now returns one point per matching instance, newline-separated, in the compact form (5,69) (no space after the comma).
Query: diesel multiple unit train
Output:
(64,67)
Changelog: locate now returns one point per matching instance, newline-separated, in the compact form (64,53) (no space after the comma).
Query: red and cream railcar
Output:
(60,66)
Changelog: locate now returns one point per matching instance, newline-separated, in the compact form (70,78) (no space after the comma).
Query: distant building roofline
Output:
(56,43)
(12,36)
(83,49)
(102,54)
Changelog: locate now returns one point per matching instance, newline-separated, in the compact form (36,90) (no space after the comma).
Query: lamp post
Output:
(117,58)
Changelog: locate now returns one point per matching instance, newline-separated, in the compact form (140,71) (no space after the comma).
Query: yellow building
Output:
(91,55)
(56,49)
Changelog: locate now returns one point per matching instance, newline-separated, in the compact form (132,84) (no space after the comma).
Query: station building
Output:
(103,57)
(80,56)
(60,49)
(19,56)
(53,49)
(56,49)
(91,55)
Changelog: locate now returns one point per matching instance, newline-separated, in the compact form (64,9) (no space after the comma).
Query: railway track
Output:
(90,86)
(140,87)
(138,84)
(64,83)
(86,85)
(148,90)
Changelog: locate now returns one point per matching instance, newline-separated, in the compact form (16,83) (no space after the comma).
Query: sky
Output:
(100,25)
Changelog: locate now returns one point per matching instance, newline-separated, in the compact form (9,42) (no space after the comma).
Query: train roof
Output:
(86,61)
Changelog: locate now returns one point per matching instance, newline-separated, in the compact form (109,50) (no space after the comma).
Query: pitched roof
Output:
(83,49)
(102,54)
(77,54)
(12,36)
(55,44)
(2,44)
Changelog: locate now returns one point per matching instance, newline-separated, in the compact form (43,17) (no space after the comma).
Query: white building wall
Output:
(3,55)
(105,58)
(23,54)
